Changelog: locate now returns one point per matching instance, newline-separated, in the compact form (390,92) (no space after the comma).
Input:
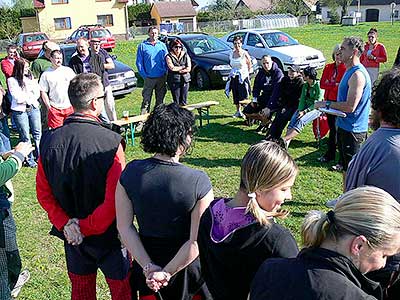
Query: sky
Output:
(5,2)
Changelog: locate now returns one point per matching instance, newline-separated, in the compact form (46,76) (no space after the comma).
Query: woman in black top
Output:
(167,199)
(237,234)
(179,67)
(340,247)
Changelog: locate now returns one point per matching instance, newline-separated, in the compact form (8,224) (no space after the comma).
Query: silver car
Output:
(284,50)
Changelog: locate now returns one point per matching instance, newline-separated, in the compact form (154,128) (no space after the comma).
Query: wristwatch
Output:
(328,104)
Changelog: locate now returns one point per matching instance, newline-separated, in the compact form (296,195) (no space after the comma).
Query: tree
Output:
(294,7)
(139,13)
(10,25)
(22,4)
(343,4)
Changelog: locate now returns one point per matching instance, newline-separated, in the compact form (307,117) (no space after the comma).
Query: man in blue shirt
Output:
(353,98)
(150,61)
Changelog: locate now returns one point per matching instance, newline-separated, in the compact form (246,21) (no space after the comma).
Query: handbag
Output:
(320,127)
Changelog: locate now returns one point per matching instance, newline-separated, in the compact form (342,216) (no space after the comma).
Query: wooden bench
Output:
(130,123)
(245,102)
(203,108)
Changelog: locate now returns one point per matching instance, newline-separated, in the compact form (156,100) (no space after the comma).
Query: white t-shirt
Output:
(55,83)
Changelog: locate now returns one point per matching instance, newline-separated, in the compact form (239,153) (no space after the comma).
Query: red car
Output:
(93,31)
(29,44)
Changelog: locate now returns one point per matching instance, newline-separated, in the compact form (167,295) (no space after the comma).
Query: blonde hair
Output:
(367,211)
(264,167)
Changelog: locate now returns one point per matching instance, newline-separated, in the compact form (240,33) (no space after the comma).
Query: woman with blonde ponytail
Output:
(237,234)
(340,247)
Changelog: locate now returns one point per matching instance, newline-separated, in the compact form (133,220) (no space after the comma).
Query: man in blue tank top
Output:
(353,98)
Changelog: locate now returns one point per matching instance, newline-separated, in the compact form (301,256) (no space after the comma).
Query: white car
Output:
(284,50)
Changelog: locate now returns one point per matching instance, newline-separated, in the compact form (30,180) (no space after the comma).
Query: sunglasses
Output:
(177,47)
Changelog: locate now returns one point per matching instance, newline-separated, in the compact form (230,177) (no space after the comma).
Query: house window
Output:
(328,14)
(59,1)
(396,14)
(62,23)
(105,20)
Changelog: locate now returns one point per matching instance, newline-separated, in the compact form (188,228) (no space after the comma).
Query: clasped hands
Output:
(156,277)
(72,232)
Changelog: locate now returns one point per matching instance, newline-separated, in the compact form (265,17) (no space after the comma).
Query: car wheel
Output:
(278,62)
(202,79)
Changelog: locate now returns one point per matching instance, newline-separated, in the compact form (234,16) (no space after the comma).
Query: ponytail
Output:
(314,228)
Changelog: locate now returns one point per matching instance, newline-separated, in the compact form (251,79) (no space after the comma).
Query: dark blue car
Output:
(210,58)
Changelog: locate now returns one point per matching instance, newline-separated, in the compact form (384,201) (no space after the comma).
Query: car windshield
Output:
(278,39)
(34,38)
(205,44)
(100,33)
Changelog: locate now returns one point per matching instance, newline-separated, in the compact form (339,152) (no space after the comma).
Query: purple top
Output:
(226,220)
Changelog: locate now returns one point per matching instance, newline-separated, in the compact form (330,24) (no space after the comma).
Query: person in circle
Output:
(373,55)
(166,199)
(339,248)
(237,234)
(239,77)
(179,67)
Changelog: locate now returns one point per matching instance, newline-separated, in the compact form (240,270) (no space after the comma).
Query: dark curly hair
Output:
(167,128)
(386,97)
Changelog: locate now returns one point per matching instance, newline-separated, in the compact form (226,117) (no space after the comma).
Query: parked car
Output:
(29,44)
(107,40)
(210,58)
(122,78)
(284,50)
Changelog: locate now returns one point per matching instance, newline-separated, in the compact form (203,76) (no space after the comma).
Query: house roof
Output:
(372,2)
(38,4)
(174,9)
(255,5)
(310,3)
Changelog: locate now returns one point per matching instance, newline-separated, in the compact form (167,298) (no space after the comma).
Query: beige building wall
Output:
(81,12)
(29,24)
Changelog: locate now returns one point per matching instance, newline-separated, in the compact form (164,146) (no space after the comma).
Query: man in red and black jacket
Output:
(78,171)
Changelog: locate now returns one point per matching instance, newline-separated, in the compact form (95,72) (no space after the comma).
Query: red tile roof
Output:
(256,5)
(38,4)
(174,9)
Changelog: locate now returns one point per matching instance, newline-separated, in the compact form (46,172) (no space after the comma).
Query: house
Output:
(268,5)
(59,18)
(175,12)
(371,10)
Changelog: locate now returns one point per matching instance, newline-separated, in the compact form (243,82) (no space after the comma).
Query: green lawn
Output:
(218,150)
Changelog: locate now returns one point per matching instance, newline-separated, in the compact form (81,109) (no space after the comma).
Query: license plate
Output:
(118,87)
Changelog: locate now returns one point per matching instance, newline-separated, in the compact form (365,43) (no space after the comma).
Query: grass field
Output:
(218,151)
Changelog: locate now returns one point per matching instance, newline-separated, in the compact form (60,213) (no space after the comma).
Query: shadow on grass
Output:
(228,133)
(299,203)
(298,214)
(212,163)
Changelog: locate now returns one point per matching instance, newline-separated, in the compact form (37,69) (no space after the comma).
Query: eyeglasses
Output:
(100,97)
(177,47)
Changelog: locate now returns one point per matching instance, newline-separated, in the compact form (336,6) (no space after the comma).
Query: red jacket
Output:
(329,82)
(7,67)
(379,51)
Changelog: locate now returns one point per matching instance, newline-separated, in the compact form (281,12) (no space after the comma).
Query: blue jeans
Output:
(298,124)
(26,122)
(4,143)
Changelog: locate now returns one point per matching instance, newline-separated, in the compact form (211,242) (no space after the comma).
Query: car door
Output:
(254,45)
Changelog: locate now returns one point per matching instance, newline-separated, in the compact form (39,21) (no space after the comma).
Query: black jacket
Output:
(315,274)
(290,92)
(228,267)
(267,86)
(76,159)
(95,61)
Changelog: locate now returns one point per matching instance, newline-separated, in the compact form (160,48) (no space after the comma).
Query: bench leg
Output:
(200,117)
(133,127)
(208,116)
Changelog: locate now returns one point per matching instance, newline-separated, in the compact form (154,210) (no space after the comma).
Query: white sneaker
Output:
(331,203)
(22,279)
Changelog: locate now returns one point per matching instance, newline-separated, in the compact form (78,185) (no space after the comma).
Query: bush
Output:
(334,19)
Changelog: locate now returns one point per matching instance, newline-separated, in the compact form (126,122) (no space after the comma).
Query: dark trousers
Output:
(179,91)
(348,144)
(158,85)
(331,152)
(282,118)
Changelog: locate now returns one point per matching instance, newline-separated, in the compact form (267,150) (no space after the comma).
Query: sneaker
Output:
(337,168)
(139,127)
(22,279)
(331,203)
(237,114)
